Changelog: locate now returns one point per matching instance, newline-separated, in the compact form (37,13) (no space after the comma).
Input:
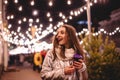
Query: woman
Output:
(59,63)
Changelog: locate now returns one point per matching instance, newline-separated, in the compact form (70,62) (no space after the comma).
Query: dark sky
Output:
(103,10)
(99,11)
(42,7)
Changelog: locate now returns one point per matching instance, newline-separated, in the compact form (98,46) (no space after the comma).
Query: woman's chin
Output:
(60,43)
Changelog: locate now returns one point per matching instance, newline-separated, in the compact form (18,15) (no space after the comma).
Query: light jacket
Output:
(54,70)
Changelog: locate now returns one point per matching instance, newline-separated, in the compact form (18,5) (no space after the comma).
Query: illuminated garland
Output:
(21,39)
(117,30)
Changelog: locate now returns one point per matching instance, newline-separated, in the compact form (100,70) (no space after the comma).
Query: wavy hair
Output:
(73,41)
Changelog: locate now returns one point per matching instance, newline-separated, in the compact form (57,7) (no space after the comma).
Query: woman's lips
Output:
(59,39)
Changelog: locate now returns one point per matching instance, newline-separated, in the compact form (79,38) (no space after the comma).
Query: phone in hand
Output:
(77,57)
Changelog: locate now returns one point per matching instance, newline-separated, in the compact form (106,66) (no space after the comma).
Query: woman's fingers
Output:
(69,69)
(78,65)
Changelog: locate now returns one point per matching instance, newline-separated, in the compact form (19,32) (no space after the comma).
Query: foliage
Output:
(104,61)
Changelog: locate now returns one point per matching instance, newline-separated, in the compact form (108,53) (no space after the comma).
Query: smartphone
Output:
(77,57)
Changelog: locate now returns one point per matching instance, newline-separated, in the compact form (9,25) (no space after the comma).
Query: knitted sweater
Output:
(54,70)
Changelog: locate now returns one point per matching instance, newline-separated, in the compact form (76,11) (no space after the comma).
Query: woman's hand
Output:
(69,70)
(78,64)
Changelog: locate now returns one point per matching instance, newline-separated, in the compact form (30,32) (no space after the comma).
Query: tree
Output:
(104,60)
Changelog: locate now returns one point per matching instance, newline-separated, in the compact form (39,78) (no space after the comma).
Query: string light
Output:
(69,2)
(19,28)
(9,26)
(8,17)
(19,21)
(70,17)
(50,3)
(30,24)
(31,20)
(32,3)
(79,33)
(65,20)
(12,16)
(45,32)
(24,19)
(50,19)
(48,14)
(37,20)
(95,1)
(60,14)
(16,1)
(6,2)
(35,13)
(20,8)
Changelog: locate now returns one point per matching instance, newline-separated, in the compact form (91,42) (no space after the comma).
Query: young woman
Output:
(59,63)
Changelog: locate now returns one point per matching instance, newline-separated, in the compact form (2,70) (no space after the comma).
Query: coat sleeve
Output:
(47,72)
(83,73)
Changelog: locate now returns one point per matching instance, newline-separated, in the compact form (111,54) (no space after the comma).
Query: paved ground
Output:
(22,73)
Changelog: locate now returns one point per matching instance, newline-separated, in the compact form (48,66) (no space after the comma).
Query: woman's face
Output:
(61,36)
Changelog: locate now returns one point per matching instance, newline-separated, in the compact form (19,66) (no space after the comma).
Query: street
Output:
(24,72)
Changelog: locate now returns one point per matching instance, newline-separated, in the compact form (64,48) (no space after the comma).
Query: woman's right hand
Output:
(69,70)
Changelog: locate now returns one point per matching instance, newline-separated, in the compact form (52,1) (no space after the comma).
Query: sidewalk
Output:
(22,73)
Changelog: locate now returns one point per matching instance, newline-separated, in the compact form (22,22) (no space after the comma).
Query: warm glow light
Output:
(35,12)
(32,3)
(30,20)
(20,8)
(70,17)
(37,20)
(66,20)
(81,9)
(91,4)
(75,13)
(63,17)
(50,19)
(95,1)
(71,12)
(60,14)
(9,26)
(41,25)
(30,24)
(19,22)
(69,2)
(50,3)
(19,28)
(6,2)
(0,22)
(8,17)
(48,14)
(16,1)
(85,7)
(12,16)
(24,19)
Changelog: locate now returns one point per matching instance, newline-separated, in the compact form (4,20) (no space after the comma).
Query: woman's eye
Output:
(62,32)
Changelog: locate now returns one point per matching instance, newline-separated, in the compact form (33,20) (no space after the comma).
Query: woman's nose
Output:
(58,35)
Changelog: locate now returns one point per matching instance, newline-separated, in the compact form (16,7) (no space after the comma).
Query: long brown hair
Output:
(73,41)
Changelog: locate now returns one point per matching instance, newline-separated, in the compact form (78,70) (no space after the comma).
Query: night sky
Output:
(99,11)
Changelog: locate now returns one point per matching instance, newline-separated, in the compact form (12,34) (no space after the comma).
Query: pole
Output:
(5,43)
(1,29)
(89,18)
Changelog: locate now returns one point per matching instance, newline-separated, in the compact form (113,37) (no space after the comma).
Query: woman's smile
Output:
(61,36)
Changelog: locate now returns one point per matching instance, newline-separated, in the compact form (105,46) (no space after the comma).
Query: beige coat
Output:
(54,70)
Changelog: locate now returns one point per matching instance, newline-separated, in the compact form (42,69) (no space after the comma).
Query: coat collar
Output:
(68,53)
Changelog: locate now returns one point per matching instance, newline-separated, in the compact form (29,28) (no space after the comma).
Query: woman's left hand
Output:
(78,64)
